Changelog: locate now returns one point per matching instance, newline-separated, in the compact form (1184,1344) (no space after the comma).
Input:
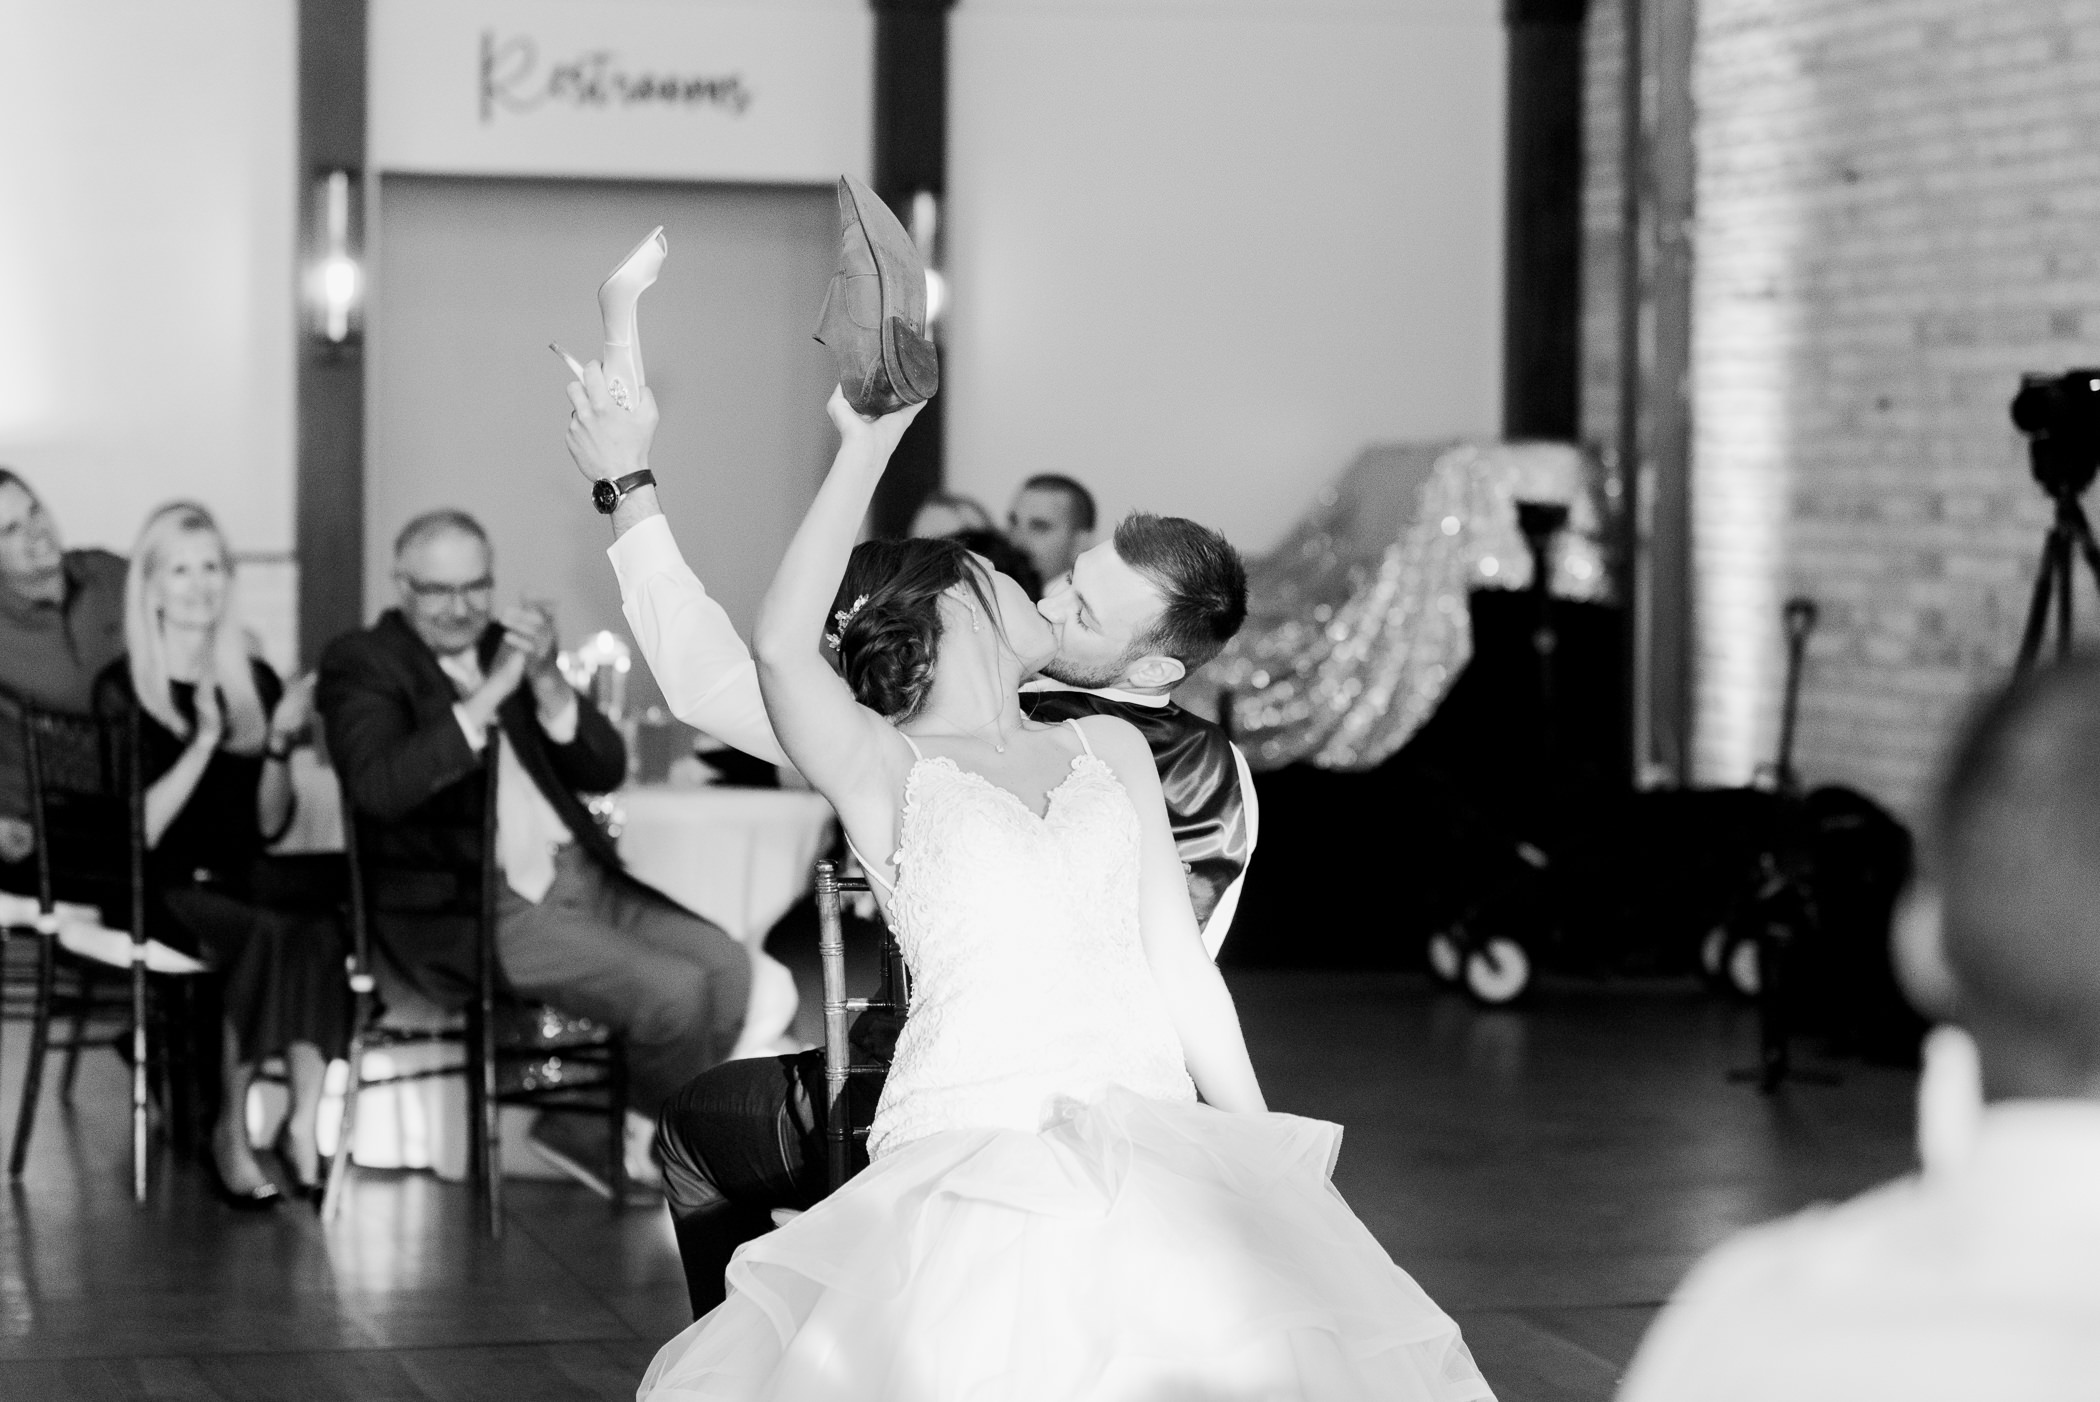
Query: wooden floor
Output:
(1547,1174)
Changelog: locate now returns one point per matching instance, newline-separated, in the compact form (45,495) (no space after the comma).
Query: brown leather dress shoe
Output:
(874,317)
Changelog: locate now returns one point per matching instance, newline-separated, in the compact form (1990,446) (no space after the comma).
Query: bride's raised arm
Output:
(853,756)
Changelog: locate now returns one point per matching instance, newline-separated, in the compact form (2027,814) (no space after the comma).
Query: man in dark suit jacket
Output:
(416,706)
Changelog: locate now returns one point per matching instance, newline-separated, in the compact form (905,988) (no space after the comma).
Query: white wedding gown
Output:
(1048,1214)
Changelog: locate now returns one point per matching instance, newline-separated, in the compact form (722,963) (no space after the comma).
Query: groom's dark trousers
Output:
(747,1137)
(743,1139)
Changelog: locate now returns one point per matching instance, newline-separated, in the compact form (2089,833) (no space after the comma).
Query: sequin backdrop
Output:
(1357,622)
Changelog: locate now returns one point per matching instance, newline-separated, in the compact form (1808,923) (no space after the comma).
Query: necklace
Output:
(997,739)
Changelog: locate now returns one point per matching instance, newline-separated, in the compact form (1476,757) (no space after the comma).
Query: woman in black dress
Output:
(217,729)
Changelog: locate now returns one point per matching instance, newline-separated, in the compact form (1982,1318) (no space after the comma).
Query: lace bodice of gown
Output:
(1029,982)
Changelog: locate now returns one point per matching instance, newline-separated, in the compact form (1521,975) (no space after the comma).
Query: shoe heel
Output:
(913,364)
(619,298)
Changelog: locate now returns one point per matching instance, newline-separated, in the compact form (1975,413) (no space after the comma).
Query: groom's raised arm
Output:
(704,668)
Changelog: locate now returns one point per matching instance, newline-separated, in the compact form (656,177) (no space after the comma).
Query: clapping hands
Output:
(292,722)
(211,716)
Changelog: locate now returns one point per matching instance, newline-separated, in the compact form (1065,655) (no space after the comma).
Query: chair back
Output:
(361,982)
(564,1044)
(369,874)
(86,809)
(894,995)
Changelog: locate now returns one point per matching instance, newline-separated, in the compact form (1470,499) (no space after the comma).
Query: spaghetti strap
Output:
(1073,721)
(868,867)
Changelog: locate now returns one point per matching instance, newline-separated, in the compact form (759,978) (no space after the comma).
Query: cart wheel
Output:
(1498,971)
(1745,968)
(1446,956)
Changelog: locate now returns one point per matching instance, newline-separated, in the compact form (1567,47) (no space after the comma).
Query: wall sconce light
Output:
(336,280)
(925,233)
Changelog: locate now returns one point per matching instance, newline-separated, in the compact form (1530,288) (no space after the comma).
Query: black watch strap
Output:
(607,491)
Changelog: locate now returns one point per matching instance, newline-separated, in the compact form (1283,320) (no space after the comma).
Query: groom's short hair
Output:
(1197,573)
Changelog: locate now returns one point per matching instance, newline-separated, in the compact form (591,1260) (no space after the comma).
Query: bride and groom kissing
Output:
(1049,1210)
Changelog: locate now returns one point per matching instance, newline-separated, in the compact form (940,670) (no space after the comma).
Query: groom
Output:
(1134,615)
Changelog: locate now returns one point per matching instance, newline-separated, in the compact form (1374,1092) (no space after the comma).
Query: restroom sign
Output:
(641,89)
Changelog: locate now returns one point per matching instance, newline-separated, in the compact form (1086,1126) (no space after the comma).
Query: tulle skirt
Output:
(1134,1250)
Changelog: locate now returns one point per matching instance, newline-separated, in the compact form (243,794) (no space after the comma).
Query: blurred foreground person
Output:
(61,623)
(216,734)
(1978,1277)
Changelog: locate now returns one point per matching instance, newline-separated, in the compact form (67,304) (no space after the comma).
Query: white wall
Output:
(1202,252)
(472,279)
(147,207)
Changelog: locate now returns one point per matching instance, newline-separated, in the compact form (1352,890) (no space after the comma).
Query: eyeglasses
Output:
(474,591)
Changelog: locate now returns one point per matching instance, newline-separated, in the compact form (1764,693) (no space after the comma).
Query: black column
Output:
(1542,241)
(911,154)
(330,385)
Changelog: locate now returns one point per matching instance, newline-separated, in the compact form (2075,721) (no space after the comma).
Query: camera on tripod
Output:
(2060,414)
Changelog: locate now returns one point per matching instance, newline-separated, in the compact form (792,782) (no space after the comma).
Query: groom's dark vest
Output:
(1197,776)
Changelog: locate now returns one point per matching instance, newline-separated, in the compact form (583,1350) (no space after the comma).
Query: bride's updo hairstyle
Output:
(888,645)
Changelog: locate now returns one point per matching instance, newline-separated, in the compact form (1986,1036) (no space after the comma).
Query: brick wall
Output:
(1898,212)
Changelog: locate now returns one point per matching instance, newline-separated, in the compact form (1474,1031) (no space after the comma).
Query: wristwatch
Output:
(606,492)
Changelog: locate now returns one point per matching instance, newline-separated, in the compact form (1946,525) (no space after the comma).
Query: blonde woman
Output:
(217,732)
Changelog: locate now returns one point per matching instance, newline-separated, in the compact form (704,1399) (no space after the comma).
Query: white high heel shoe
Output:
(618,298)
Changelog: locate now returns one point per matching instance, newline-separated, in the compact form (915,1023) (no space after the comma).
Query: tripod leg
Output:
(2063,594)
(2038,605)
(2082,537)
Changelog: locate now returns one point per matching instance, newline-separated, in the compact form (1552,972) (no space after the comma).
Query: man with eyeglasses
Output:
(415,707)
(61,623)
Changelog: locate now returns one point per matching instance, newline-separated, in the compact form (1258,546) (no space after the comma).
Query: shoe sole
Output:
(907,355)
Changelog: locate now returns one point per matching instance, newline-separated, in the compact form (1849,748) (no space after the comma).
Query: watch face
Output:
(604,495)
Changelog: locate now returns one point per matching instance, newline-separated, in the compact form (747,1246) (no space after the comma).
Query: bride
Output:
(1049,1211)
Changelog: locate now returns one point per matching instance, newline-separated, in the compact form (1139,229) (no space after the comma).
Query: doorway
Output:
(475,276)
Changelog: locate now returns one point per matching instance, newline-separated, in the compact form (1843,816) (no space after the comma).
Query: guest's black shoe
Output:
(261,1198)
(874,317)
(311,1192)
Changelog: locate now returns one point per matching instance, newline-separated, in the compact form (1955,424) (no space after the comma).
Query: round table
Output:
(740,857)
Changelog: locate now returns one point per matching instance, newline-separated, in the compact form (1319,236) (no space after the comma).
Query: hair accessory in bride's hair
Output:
(844,616)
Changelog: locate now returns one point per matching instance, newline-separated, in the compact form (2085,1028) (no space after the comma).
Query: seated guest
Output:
(216,733)
(1975,1278)
(416,706)
(1052,520)
(946,514)
(61,623)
